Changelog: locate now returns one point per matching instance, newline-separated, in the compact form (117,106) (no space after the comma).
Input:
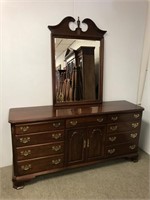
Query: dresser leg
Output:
(135,158)
(18,185)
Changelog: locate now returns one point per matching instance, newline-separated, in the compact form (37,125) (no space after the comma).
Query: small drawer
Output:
(135,116)
(86,121)
(38,127)
(39,138)
(38,165)
(121,149)
(124,126)
(121,138)
(39,150)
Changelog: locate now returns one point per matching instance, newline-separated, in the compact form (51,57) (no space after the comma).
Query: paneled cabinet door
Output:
(76,146)
(94,143)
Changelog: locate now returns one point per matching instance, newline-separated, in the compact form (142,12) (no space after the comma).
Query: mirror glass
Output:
(77,65)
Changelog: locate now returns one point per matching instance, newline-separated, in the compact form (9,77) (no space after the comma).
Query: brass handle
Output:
(111,151)
(25,153)
(56,162)
(88,143)
(136,116)
(100,120)
(132,146)
(56,148)
(24,128)
(73,123)
(96,130)
(112,139)
(114,118)
(135,125)
(25,140)
(56,135)
(56,125)
(133,135)
(84,144)
(113,128)
(26,167)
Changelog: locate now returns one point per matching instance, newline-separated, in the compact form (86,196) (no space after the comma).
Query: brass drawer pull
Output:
(24,128)
(25,140)
(112,139)
(136,116)
(25,153)
(56,148)
(26,167)
(111,151)
(114,118)
(56,125)
(56,135)
(73,123)
(100,120)
(56,162)
(96,130)
(113,128)
(132,146)
(135,125)
(133,135)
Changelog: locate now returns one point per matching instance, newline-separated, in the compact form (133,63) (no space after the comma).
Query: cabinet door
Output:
(95,142)
(76,146)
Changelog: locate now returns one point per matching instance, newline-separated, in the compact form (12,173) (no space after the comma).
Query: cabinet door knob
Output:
(26,167)
(100,120)
(133,135)
(73,122)
(135,125)
(113,128)
(56,148)
(112,139)
(111,151)
(114,118)
(56,125)
(25,153)
(25,140)
(56,135)
(56,162)
(132,146)
(24,128)
(136,115)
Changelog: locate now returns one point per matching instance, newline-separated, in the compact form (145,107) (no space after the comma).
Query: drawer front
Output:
(121,149)
(38,165)
(125,126)
(81,122)
(39,150)
(38,127)
(39,138)
(135,116)
(121,138)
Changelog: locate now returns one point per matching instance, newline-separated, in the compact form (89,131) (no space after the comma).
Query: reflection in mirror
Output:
(77,69)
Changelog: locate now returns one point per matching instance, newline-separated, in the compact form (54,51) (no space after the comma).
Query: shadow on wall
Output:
(144,135)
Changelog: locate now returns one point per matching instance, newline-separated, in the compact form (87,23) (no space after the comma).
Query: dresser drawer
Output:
(85,121)
(121,149)
(135,116)
(39,138)
(38,165)
(38,127)
(39,150)
(121,138)
(123,126)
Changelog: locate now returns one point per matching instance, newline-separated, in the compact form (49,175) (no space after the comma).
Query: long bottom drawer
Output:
(120,149)
(38,165)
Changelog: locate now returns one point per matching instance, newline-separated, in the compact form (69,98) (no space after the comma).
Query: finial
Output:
(78,22)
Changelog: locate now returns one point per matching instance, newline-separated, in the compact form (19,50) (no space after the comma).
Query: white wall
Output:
(26,63)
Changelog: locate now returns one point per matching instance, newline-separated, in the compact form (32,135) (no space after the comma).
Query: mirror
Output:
(77,63)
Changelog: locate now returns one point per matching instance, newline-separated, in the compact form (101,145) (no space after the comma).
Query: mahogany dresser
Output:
(48,139)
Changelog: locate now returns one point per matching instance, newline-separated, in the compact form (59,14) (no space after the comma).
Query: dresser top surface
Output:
(42,113)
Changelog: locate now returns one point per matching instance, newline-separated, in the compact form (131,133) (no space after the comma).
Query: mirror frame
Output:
(62,30)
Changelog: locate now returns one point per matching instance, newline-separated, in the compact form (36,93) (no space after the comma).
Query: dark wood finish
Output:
(47,139)
(62,30)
